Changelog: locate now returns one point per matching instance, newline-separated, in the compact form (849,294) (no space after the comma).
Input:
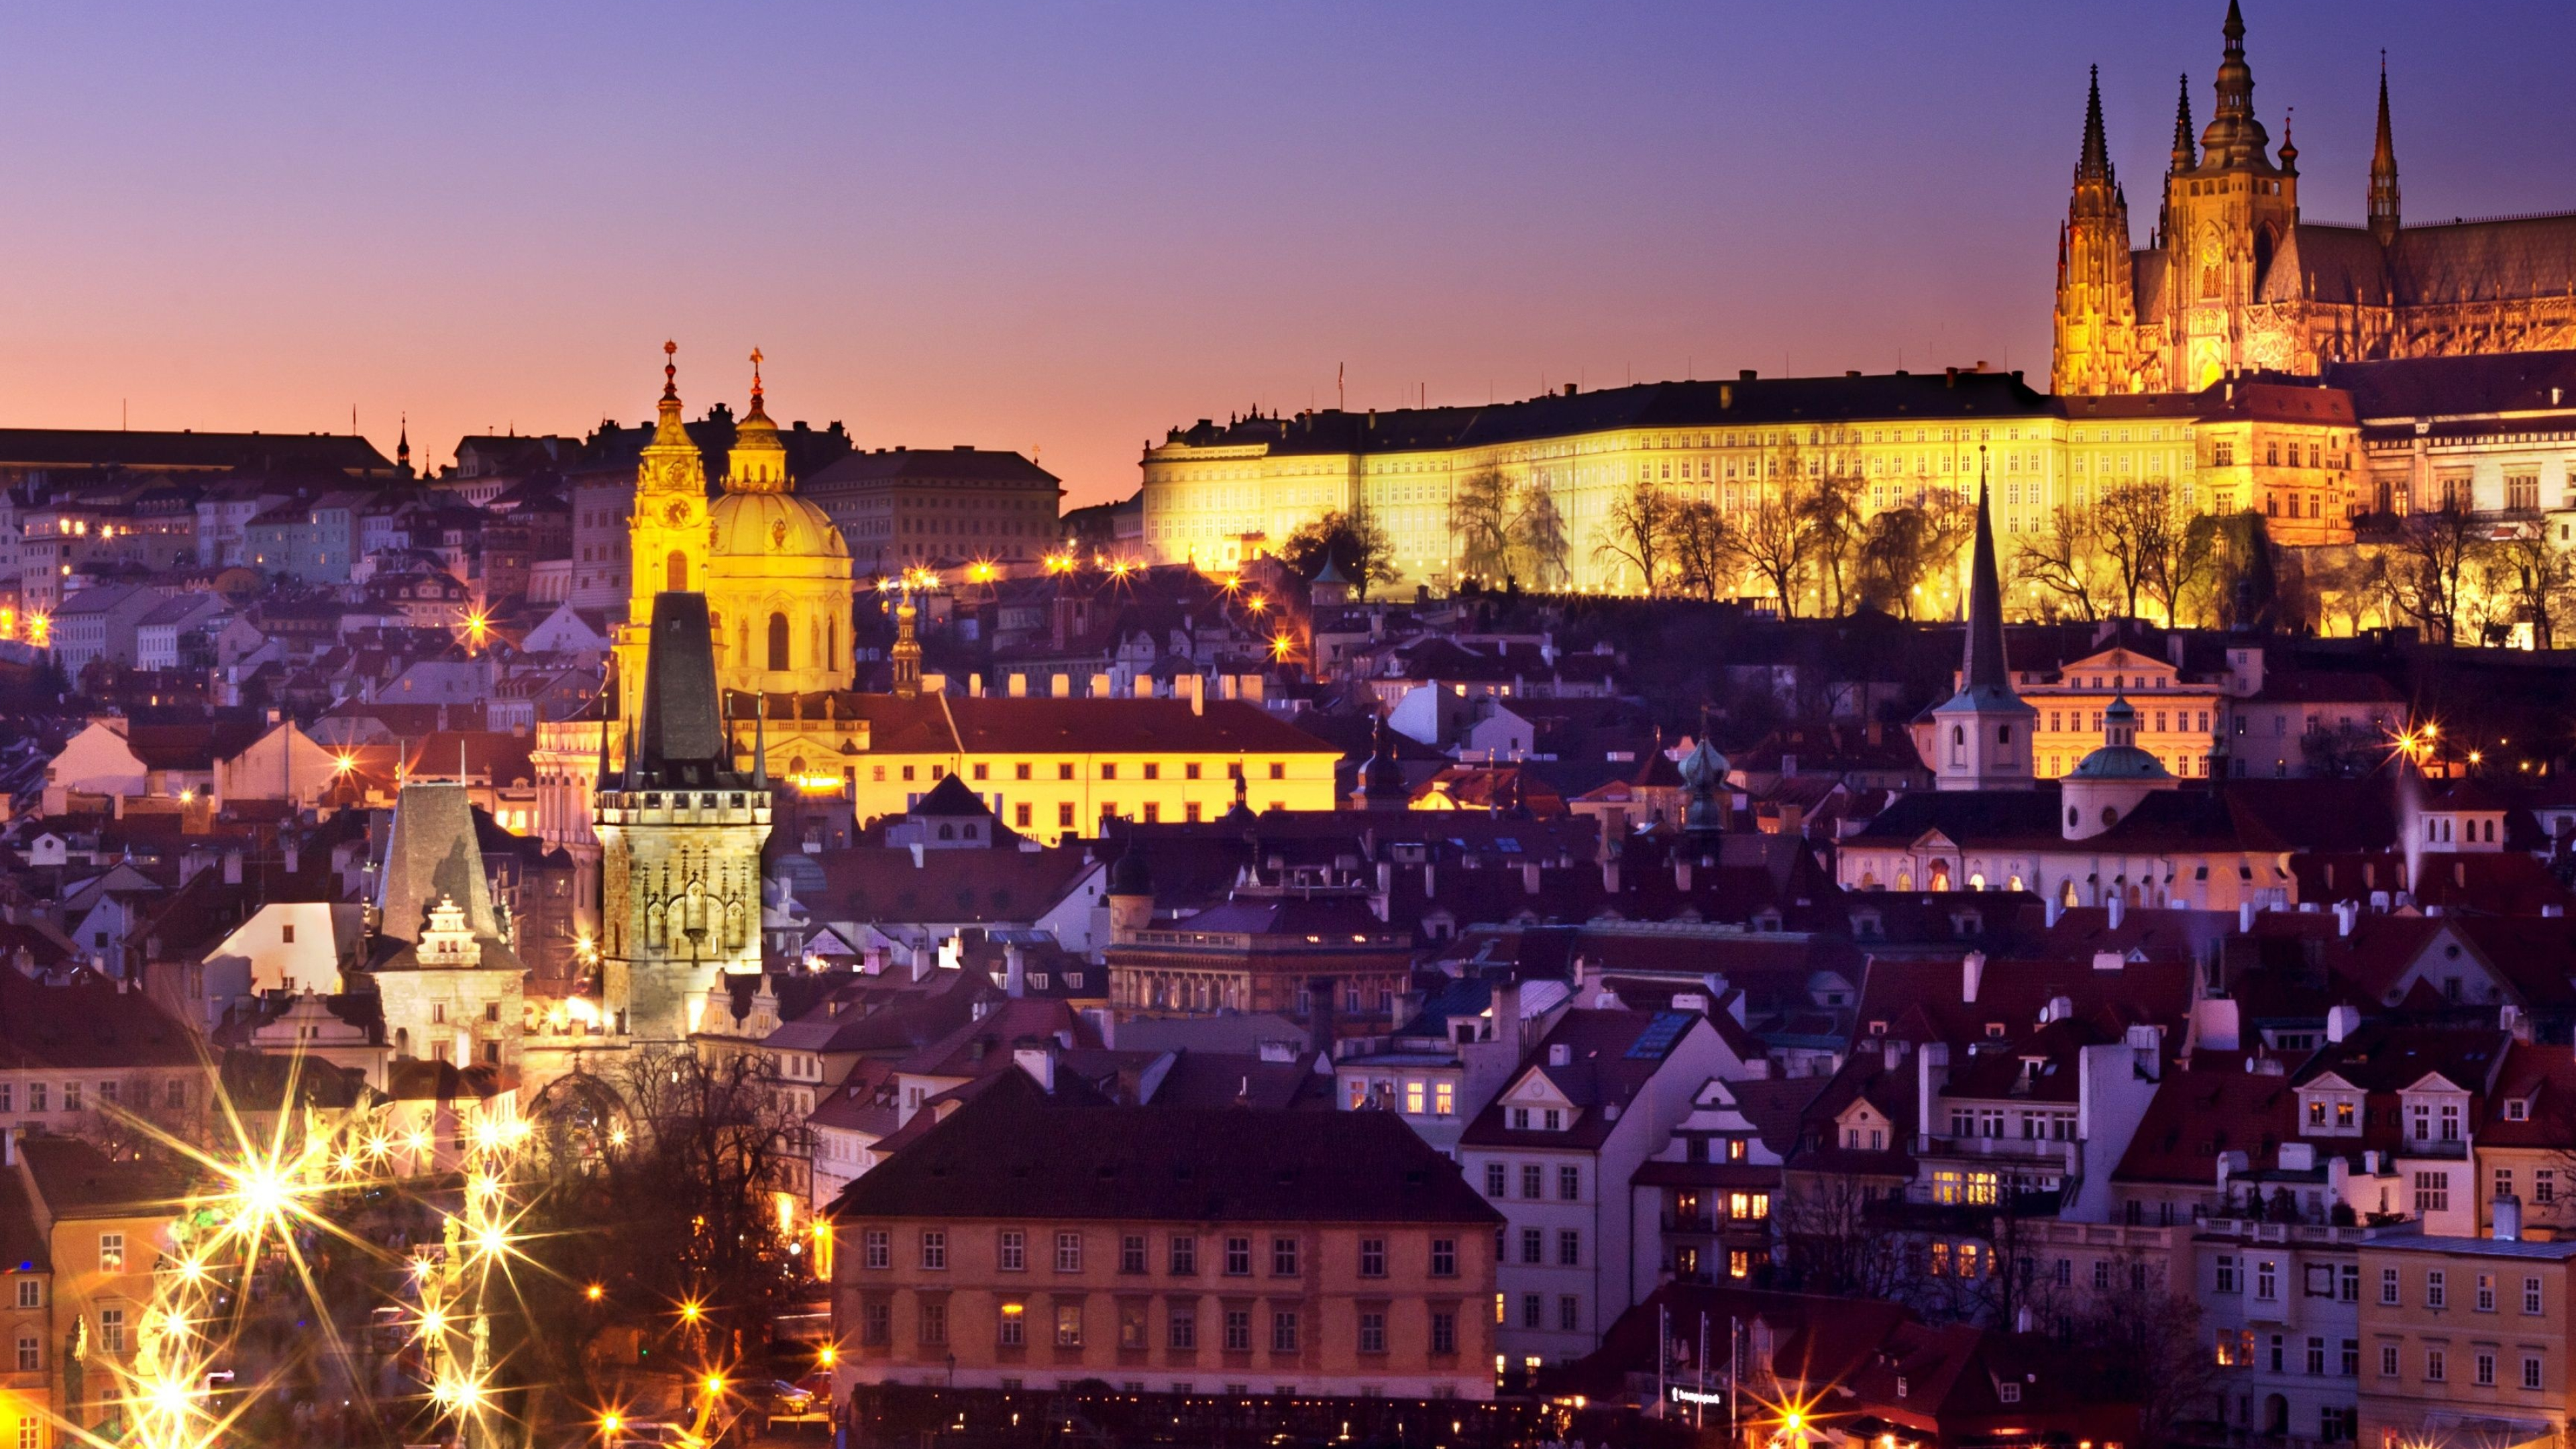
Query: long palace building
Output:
(2251,359)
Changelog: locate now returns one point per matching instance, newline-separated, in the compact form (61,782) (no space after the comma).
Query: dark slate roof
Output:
(1012,1151)
(102,448)
(433,852)
(76,1179)
(682,742)
(22,1247)
(1743,402)
(1610,1056)
(2497,382)
(927,465)
(85,1022)
(2478,261)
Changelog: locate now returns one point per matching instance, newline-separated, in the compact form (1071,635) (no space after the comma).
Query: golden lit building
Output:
(103,1225)
(2464,1337)
(2234,278)
(1216,496)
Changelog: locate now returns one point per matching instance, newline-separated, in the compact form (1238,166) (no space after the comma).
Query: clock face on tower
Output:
(678,514)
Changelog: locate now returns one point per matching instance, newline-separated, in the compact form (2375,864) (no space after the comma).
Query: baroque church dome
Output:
(778,571)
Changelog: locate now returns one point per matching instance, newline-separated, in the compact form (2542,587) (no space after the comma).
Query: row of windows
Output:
(1236,1327)
(2437,1366)
(41,1098)
(2437,1291)
(1533,1178)
(2236,1349)
(1064,770)
(1569,1247)
(1181,1253)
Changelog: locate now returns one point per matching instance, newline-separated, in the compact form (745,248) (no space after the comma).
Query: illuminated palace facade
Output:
(2235,278)
(1218,495)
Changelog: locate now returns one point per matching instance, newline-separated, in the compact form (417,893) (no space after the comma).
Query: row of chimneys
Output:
(1192,687)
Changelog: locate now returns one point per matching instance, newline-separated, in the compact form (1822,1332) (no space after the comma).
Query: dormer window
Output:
(1995,1029)
(1520,1119)
(1878,1028)
(1552,1120)
(2517,1110)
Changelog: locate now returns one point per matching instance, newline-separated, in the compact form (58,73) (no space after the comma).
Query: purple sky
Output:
(1066,226)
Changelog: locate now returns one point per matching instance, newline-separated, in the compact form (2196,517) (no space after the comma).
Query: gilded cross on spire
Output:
(755,379)
(671,371)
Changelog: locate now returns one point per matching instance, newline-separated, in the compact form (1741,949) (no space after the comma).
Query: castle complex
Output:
(2234,278)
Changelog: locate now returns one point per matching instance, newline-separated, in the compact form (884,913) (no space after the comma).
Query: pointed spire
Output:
(402,443)
(757,410)
(1983,666)
(2186,155)
(667,428)
(760,738)
(2095,162)
(2383,169)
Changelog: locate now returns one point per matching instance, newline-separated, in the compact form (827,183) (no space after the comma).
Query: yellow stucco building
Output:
(1215,496)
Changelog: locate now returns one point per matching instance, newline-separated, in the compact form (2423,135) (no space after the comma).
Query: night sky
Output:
(1067,226)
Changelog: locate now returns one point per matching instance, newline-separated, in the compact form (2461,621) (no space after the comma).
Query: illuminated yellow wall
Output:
(1037,790)
(1202,502)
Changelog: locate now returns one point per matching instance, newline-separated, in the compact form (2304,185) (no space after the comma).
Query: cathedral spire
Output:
(607,691)
(402,442)
(2383,169)
(760,742)
(2095,162)
(2185,154)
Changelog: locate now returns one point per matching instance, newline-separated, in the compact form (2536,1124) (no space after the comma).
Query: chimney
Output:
(2050,909)
(1197,685)
(2109,961)
(232,867)
(1681,871)
(1015,970)
(2341,1022)
(1319,1014)
(1035,1055)
(1529,877)
(1507,1016)
(2508,1219)
(1610,875)
(1559,1054)
(1972,969)
(2345,912)
(2119,908)
(2245,917)
(923,961)
(287,855)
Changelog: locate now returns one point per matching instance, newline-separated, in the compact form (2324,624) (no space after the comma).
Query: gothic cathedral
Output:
(2232,278)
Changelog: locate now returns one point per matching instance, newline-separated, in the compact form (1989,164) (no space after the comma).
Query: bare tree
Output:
(2537,576)
(1480,518)
(2134,526)
(2064,559)
(1538,536)
(2434,553)
(2148,1340)
(1636,531)
(1910,543)
(1702,548)
(1830,1223)
(1353,540)
(1777,539)
(1831,503)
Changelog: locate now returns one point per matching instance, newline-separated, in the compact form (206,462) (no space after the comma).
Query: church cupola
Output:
(757,462)
(1982,734)
(2234,137)
(2106,785)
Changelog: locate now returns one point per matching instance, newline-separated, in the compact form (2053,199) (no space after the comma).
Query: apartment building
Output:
(1039,1237)
(2464,1339)
(1556,1151)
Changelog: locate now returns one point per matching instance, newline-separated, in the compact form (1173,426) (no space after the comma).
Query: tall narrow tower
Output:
(1982,734)
(666,531)
(680,835)
(2227,216)
(2097,308)
(2383,170)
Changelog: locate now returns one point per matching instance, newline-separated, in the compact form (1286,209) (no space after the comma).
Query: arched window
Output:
(831,643)
(778,641)
(675,572)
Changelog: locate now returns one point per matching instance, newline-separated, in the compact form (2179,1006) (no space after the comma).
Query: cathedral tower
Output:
(680,835)
(2097,310)
(1981,736)
(2227,217)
